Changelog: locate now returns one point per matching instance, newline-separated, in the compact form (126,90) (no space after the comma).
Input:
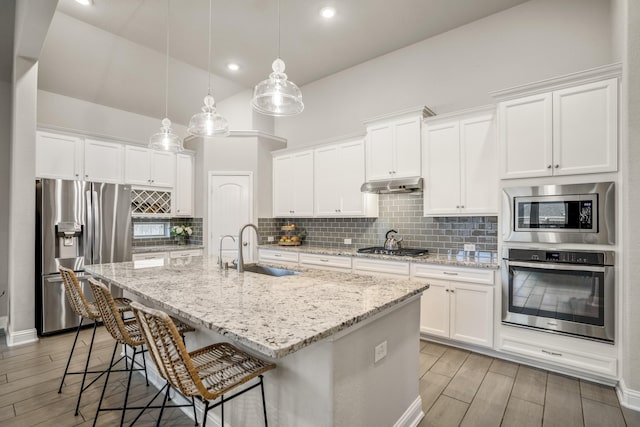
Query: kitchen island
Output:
(321,328)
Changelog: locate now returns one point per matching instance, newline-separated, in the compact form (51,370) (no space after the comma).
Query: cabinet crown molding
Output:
(423,110)
(561,82)
(461,114)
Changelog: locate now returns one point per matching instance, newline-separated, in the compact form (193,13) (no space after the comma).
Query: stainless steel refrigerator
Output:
(77,223)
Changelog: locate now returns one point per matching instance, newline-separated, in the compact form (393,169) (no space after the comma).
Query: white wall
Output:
(5,179)
(237,110)
(536,40)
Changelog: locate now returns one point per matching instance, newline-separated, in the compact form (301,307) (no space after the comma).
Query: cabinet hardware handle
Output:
(452,291)
(86,176)
(462,206)
(446,290)
(551,353)
(548,166)
(449,273)
(457,206)
(324,260)
(277,255)
(77,174)
(557,166)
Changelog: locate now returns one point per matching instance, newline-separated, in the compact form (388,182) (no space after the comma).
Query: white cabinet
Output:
(573,130)
(149,167)
(338,175)
(59,156)
(395,269)
(460,166)
(183,194)
(460,308)
(393,148)
(281,257)
(102,161)
(328,262)
(293,185)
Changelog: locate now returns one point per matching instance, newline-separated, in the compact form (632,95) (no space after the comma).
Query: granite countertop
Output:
(165,248)
(461,258)
(274,316)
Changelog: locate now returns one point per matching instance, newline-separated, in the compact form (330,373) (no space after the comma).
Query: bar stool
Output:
(87,310)
(125,332)
(207,373)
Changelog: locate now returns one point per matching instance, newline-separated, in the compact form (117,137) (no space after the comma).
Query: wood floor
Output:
(457,388)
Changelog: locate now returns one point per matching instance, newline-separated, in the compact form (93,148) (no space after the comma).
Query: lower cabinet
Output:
(328,262)
(150,259)
(457,310)
(276,256)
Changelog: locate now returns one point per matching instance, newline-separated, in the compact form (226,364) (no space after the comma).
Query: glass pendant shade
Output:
(277,96)
(208,122)
(165,139)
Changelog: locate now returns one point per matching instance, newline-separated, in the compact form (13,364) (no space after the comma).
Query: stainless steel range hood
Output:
(401,185)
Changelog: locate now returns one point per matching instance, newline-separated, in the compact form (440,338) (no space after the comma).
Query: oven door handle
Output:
(554,266)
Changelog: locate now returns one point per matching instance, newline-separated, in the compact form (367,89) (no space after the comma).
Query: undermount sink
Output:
(269,271)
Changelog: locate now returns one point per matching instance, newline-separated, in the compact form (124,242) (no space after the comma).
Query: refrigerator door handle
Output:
(97,229)
(89,229)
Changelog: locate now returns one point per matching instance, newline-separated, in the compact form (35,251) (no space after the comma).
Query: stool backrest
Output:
(168,351)
(75,296)
(111,317)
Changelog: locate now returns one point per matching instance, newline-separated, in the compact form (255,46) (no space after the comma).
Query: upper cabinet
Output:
(59,156)
(393,146)
(102,161)
(339,171)
(293,184)
(184,189)
(460,164)
(148,167)
(569,129)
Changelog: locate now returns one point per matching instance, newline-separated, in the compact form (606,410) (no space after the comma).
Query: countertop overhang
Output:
(274,316)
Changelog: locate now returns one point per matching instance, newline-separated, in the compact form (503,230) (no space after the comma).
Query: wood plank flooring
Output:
(458,388)
(461,388)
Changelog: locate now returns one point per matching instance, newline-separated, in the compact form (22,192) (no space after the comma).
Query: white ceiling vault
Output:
(113,52)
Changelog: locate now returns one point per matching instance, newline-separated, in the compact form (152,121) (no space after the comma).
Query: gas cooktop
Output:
(397,252)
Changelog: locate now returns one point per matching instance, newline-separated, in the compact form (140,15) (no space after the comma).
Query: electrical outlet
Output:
(347,241)
(469,247)
(270,239)
(380,352)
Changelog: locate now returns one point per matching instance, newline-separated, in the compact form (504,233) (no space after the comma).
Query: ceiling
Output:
(113,52)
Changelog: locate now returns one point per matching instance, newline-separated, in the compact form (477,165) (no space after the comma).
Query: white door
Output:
(58,156)
(379,152)
(434,309)
(283,185)
(442,169)
(103,161)
(471,313)
(407,148)
(163,168)
(351,169)
(327,181)
(184,185)
(137,165)
(230,208)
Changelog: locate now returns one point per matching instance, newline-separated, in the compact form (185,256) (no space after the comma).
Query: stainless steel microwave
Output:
(578,213)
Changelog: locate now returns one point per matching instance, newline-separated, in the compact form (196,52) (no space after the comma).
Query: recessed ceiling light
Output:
(328,12)
(233,66)
(85,2)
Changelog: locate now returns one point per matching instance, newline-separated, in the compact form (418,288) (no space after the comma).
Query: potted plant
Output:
(181,233)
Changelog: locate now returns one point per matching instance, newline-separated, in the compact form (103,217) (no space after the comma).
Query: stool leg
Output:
(164,402)
(73,347)
(106,381)
(144,363)
(206,411)
(126,394)
(222,410)
(195,416)
(86,366)
(264,405)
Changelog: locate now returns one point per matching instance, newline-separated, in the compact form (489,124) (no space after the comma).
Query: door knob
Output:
(557,166)
(245,244)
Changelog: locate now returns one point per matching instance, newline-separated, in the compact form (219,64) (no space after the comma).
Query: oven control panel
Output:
(565,257)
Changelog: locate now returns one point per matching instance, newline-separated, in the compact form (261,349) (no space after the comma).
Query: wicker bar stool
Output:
(125,332)
(207,373)
(86,310)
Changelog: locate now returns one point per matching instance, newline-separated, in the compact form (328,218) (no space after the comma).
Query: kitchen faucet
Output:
(240,257)
(220,250)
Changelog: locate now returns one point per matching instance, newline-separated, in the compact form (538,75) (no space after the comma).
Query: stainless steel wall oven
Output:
(570,292)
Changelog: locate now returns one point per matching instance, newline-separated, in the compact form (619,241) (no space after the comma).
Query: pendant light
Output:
(166,139)
(277,96)
(208,122)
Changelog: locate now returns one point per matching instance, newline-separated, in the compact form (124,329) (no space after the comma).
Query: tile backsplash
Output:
(401,212)
(195,238)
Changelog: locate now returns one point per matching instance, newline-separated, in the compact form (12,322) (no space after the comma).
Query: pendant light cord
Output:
(278,28)
(166,89)
(209,55)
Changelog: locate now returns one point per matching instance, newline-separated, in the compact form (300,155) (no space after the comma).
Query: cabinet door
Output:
(184,185)
(479,166)
(58,156)
(442,170)
(406,144)
(471,313)
(525,135)
(103,161)
(163,168)
(137,165)
(379,152)
(434,309)
(351,177)
(283,183)
(302,184)
(327,176)
(585,128)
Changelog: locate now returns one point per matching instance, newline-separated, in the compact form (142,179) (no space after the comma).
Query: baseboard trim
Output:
(21,337)
(628,398)
(412,416)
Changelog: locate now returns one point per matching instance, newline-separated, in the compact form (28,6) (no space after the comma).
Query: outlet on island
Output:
(270,238)
(347,241)
(469,247)
(380,352)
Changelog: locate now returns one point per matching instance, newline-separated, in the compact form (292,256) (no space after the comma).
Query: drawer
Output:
(326,261)
(458,274)
(148,256)
(150,259)
(185,254)
(397,268)
(278,256)
(580,360)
